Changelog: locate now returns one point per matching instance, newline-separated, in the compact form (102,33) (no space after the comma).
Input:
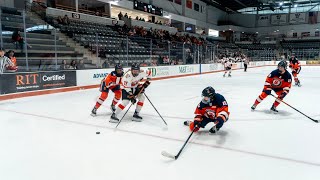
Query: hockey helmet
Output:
(119,70)
(135,69)
(283,64)
(208,92)
(118,66)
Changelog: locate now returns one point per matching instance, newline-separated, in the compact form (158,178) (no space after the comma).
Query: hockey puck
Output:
(97,132)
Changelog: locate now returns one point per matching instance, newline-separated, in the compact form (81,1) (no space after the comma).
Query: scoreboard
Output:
(149,8)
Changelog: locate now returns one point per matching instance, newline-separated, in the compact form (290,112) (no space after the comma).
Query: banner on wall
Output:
(263,20)
(313,16)
(22,82)
(305,34)
(189,4)
(278,19)
(297,18)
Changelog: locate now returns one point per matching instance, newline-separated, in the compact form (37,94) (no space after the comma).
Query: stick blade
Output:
(168,155)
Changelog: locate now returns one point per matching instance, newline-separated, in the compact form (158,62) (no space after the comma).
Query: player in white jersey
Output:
(227,68)
(132,89)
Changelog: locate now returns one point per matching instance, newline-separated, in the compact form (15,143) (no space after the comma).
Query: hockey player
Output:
(295,68)
(212,108)
(132,88)
(110,82)
(279,81)
(228,67)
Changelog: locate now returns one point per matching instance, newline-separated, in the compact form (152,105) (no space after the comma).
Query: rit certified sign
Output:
(27,79)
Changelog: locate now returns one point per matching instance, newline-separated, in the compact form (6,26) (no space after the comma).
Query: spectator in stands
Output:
(60,20)
(137,18)
(17,39)
(105,64)
(10,55)
(5,63)
(126,15)
(73,65)
(80,65)
(166,60)
(160,23)
(143,19)
(120,16)
(66,20)
(64,65)
(130,17)
(143,64)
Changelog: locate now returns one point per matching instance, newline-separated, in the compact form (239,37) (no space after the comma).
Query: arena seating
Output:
(41,50)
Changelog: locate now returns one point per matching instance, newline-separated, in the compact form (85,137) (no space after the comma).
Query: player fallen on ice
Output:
(110,82)
(132,89)
(295,67)
(212,108)
(279,81)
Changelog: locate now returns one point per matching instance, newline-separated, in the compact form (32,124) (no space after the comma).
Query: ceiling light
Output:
(296,5)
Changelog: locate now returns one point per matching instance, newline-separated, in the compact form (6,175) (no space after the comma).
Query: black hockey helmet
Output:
(209,92)
(118,66)
(135,66)
(283,64)
(119,70)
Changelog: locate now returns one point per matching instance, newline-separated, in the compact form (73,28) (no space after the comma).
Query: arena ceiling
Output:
(234,5)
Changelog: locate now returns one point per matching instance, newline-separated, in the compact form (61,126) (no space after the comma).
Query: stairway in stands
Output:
(40,39)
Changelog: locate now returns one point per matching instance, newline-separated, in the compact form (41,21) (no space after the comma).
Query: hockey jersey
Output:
(111,80)
(295,65)
(227,64)
(216,109)
(278,82)
(129,82)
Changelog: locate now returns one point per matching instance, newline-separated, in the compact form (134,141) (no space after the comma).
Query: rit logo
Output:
(27,79)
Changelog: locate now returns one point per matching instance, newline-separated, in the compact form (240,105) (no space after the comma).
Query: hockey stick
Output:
(294,108)
(168,155)
(129,107)
(155,109)
(124,115)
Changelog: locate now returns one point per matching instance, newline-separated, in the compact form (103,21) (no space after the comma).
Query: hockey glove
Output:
(139,89)
(197,120)
(268,92)
(282,95)
(146,84)
(131,97)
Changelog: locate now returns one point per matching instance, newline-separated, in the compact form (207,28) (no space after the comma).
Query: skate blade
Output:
(136,119)
(93,115)
(113,121)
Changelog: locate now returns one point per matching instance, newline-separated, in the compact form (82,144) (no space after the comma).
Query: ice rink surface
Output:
(53,137)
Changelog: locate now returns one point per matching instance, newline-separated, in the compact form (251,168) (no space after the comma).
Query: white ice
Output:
(53,137)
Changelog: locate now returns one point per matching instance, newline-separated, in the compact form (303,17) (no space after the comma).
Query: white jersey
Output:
(4,61)
(130,82)
(228,64)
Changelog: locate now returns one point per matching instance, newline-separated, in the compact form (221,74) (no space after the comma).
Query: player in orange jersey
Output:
(295,68)
(110,82)
(279,81)
(212,108)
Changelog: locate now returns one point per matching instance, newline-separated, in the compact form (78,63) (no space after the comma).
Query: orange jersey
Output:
(295,64)
(215,109)
(278,82)
(14,61)
(111,80)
